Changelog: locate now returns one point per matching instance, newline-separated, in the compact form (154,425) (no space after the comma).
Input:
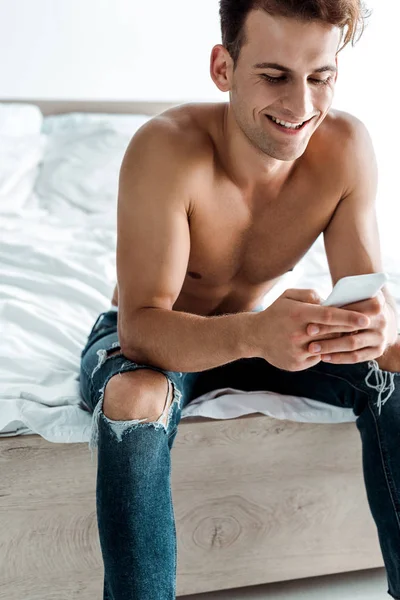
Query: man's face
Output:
(296,96)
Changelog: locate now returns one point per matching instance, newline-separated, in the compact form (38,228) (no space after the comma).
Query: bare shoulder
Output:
(341,142)
(176,141)
(343,131)
(181,129)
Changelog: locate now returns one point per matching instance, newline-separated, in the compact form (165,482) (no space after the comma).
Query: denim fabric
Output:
(133,493)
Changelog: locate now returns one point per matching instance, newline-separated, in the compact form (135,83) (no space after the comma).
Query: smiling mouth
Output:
(289,128)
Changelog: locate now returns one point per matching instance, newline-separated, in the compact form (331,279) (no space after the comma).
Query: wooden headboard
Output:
(55,107)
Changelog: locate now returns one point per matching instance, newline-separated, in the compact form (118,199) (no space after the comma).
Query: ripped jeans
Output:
(133,492)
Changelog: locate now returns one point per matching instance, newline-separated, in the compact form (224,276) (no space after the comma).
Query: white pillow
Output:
(124,123)
(80,170)
(19,164)
(20,119)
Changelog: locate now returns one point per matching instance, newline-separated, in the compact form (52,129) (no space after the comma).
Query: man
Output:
(216,202)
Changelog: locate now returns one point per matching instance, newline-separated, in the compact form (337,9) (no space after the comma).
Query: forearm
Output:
(183,342)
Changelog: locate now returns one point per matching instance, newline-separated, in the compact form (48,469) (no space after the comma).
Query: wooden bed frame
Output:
(256,499)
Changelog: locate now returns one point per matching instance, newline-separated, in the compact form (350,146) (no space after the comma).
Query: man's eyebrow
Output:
(267,65)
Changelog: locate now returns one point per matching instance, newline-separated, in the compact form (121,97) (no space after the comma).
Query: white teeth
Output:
(287,125)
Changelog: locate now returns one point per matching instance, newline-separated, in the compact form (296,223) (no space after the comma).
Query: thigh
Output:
(337,385)
(103,339)
(102,358)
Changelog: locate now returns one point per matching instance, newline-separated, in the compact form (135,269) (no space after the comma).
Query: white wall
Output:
(160,50)
(108,49)
(367,87)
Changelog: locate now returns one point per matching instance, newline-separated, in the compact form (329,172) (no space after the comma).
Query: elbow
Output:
(131,354)
(130,350)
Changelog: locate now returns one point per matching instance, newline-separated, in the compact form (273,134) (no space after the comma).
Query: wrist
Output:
(249,334)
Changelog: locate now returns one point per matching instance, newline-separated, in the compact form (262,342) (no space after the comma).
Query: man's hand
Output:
(362,345)
(281,333)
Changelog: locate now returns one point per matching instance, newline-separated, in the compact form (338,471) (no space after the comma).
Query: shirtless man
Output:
(230,191)
(216,202)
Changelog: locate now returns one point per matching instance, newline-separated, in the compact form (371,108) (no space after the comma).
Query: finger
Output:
(346,343)
(349,358)
(336,317)
(303,295)
(311,361)
(372,305)
(308,363)
(326,330)
(326,336)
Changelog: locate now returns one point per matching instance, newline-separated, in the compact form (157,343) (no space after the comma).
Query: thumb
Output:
(303,295)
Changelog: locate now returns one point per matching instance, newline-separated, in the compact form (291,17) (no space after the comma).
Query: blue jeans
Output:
(133,497)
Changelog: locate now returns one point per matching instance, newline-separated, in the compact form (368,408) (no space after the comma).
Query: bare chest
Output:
(236,244)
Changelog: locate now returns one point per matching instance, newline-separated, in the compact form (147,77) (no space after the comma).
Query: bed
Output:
(265,487)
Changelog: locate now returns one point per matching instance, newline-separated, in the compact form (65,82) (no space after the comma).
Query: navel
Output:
(194,275)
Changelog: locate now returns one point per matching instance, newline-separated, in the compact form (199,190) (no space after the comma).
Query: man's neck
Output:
(248,167)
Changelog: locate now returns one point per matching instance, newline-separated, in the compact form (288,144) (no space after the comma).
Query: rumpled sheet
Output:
(57,273)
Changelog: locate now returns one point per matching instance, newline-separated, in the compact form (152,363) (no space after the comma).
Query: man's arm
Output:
(352,237)
(153,246)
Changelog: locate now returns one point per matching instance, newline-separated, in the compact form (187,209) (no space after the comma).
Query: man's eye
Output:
(273,79)
(283,78)
(322,81)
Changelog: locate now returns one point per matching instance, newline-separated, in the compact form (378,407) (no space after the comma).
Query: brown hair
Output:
(342,13)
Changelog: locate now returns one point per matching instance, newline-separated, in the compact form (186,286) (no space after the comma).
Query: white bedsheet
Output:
(55,280)
(56,276)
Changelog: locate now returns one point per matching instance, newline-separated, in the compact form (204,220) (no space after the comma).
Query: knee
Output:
(140,394)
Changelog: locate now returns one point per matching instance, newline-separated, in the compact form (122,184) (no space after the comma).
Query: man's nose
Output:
(299,101)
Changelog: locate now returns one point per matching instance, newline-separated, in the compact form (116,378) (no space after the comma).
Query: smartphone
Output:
(355,289)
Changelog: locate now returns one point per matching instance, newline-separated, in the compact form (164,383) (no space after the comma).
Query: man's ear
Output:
(337,67)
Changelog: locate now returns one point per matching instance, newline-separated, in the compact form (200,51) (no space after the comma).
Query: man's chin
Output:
(286,156)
